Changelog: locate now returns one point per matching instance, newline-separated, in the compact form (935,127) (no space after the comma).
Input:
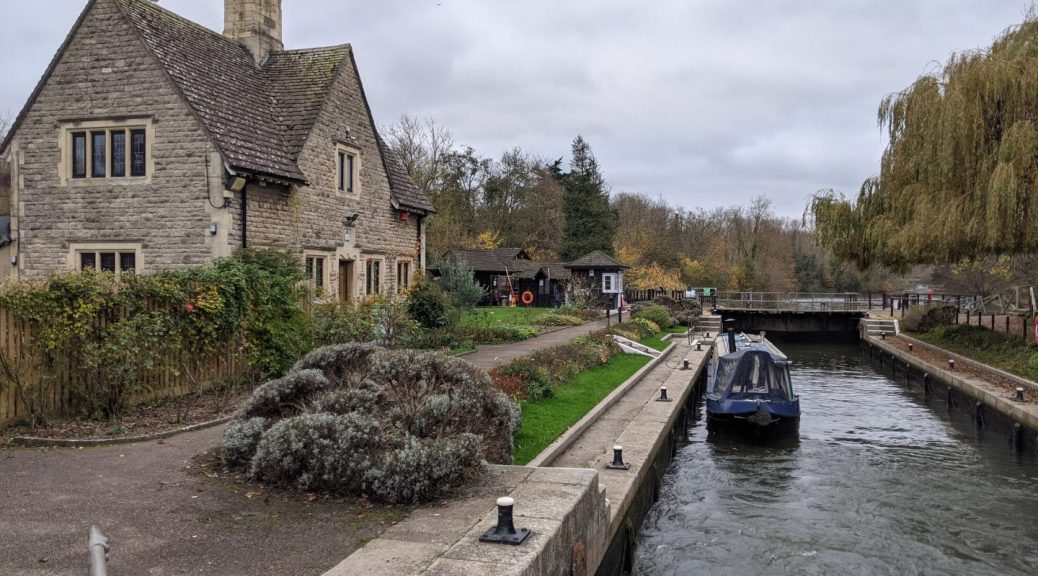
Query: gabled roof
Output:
(553,270)
(259,116)
(491,260)
(405,192)
(596,259)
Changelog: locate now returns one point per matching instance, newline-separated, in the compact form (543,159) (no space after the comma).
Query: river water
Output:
(876,482)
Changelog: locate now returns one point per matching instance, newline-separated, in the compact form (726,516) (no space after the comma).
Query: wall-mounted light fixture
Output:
(212,229)
(237,184)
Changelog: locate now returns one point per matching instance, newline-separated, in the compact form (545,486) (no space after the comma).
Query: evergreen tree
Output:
(590,222)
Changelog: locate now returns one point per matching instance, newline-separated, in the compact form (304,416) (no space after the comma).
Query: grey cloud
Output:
(703,102)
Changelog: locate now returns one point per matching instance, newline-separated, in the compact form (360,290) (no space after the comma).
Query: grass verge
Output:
(502,315)
(1012,354)
(545,420)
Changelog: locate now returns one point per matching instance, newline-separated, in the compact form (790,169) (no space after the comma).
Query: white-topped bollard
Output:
(505,532)
(618,459)
(1019,394)
(663,394)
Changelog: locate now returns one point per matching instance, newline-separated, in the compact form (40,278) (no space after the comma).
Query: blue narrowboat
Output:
(748,383)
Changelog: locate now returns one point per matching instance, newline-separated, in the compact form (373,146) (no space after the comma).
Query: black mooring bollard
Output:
(910,347)
(926,383)
(1019,394)
(505,532)
(951,364)
(618,459)
(699,346)
(663,393)
(684,365)
(882,335)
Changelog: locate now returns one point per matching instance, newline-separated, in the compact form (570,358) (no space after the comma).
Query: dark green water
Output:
(876,482)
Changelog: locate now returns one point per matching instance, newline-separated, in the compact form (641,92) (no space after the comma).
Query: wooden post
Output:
(1007,325)
(992,322)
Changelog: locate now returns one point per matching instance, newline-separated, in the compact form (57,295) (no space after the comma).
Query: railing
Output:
(811,301)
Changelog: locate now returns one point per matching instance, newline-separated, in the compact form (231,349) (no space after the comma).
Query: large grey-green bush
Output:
(400,425)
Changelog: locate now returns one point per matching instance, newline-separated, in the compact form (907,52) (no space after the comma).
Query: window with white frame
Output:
(347,164)
(316,270)
(611,283)
(116,257)
(373,277)
(114,151)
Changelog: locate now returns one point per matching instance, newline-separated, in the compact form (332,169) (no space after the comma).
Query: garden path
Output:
(490,357)
(164,513)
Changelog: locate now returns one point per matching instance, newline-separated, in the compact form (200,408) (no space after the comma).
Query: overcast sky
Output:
(703,102)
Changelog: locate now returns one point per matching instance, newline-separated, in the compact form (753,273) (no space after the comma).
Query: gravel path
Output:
(166,514)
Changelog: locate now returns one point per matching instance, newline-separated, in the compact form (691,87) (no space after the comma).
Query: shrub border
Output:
(37,442)
(563,442)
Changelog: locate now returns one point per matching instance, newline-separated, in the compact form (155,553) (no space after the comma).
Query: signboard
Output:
(708,292)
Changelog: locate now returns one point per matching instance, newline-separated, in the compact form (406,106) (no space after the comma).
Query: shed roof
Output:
(491,260)
(596,259)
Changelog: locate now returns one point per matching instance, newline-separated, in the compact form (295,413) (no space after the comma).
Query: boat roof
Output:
(744,344)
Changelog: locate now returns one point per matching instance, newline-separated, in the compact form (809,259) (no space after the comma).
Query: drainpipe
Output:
(245,217)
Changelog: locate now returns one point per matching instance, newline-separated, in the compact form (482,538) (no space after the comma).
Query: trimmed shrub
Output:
(344,365)
(240,439)
(357,418)
(658,315)
(286,396)
(426,469)
(560,320)
(318,452)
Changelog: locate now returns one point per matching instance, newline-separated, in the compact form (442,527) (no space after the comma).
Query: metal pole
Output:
(98,552)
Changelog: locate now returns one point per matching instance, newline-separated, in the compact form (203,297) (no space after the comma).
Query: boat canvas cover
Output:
(751,372)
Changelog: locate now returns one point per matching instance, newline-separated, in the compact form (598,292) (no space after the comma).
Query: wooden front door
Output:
(346,280)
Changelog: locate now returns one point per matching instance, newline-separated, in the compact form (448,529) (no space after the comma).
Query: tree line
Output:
(561,210)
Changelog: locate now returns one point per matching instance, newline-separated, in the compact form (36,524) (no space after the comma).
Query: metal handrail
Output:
(98,552)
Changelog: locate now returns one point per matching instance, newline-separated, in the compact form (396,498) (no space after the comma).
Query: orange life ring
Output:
(527,297)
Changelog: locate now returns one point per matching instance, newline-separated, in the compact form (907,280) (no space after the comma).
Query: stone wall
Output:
(313,218)
(107,73)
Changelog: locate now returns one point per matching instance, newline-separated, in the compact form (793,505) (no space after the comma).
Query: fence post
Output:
(992,322)
(1007,325)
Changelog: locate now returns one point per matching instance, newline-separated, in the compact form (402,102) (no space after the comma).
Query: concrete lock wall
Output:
(1018,423)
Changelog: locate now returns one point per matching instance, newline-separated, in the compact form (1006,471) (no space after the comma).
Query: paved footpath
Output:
(164,516)
(490,357)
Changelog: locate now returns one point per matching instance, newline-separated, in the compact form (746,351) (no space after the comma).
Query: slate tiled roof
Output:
(553,270)
(495,260)
(259,116)
(404,189)
(596,259)
(221,81)
(299,80)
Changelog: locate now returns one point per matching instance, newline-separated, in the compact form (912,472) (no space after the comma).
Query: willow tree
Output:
(959,176)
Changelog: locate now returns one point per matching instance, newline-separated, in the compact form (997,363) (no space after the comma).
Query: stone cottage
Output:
(152,142)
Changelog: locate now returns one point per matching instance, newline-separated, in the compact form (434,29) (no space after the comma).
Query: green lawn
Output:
(656,341)
(546,420)
(501,315)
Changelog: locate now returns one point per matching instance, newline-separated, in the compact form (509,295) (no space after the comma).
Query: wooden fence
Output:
(166,380)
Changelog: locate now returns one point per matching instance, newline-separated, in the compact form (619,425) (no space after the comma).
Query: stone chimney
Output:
(256,24)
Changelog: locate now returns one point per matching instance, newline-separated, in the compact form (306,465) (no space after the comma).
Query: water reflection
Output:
(875,482)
